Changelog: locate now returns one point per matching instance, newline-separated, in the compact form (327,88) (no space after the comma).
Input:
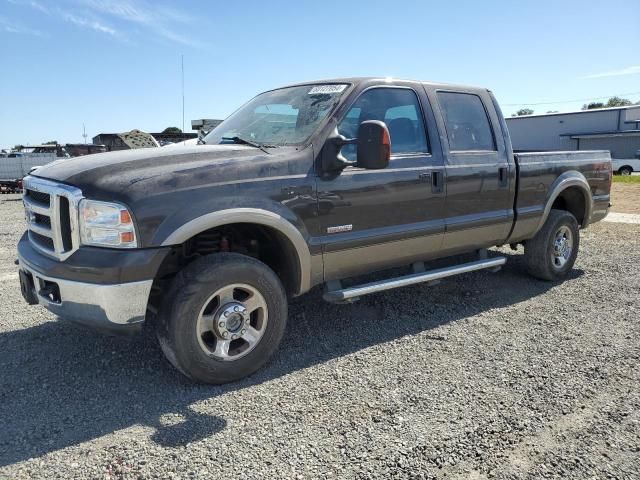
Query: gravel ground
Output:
(483,376)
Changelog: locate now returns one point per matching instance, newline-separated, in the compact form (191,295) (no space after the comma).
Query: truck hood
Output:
(148,170)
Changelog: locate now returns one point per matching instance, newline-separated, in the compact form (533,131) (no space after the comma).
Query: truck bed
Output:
(540,174)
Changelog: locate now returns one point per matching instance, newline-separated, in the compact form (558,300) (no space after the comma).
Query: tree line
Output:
(612,102)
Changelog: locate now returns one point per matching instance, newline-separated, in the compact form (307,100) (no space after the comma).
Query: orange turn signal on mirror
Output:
(386,143)
(386,140)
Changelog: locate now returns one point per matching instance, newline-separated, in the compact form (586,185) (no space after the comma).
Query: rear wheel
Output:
(223,318)
(625,170)
(551,253)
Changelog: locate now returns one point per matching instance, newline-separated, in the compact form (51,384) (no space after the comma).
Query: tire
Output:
(626,170)
(190,323)
(542,258)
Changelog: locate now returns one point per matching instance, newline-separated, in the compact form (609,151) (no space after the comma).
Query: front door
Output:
(374,219)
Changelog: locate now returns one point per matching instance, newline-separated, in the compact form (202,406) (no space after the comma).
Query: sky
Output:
(115,65)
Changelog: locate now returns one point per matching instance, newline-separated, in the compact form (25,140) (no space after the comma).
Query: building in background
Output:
(80,149)
(615,129)
(115,141)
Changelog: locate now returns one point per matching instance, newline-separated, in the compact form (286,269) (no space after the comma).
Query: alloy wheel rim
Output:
(562,247)
(232,322)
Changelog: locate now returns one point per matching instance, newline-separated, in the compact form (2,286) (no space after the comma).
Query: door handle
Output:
(503,176)
(434,178)
(436,182)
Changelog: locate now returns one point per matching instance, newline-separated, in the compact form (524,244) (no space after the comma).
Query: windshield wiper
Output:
(244,141)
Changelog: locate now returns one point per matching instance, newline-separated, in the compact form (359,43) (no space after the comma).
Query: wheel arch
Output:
(570,192)
(274,222)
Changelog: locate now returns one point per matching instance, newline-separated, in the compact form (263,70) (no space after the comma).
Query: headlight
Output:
(106,224)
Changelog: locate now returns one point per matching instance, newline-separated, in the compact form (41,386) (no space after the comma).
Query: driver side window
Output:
(399,109)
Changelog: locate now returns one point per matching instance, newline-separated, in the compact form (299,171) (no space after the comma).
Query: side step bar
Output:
(353,293)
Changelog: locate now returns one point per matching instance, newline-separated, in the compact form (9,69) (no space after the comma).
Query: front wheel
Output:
(625,171)
(223,318)
(551,253)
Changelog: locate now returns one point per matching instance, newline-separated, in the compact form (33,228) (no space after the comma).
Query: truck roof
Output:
(357,80)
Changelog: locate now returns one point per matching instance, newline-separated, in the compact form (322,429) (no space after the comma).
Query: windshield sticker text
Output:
(327,89)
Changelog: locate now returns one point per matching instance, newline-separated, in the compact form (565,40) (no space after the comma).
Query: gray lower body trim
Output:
(347,263)
(372,236)
(476,230)
(527,221)
(106,307)
(478,220)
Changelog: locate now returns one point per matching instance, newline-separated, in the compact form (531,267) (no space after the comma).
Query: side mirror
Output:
(374,145)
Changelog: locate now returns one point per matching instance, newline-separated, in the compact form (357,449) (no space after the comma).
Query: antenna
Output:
(84,134)
(182,64)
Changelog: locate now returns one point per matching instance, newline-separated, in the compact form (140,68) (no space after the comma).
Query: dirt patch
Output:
(625,197)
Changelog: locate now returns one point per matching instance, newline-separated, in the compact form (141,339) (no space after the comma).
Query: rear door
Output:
(373,219)
(479,176)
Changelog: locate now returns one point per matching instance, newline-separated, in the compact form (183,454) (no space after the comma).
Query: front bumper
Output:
(116,306)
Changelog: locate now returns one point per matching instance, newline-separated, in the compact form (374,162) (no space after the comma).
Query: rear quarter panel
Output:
(540,173)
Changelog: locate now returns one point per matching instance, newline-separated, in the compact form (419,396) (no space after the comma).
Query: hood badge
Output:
(340,228)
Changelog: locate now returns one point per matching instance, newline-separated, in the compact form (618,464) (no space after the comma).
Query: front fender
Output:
(253,215)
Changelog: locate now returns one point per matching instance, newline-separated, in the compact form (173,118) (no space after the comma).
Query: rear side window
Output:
(466,120)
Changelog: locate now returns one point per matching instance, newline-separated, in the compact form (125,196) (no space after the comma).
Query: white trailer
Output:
(17,166)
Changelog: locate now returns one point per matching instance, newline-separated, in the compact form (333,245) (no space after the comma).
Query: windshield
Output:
(287,116)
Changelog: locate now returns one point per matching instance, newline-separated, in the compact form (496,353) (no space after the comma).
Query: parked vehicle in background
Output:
(23,160)
(80,149)
(315,183)
(625,166)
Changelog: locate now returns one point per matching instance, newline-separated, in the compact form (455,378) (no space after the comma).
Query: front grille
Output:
(39,197)
(52,216)
(43,220)
(41,240)
(65,224)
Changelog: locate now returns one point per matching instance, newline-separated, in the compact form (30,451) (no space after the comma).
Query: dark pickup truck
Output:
(315,183)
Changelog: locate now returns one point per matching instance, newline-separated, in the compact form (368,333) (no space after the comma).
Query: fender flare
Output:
(564,181)
(250,215)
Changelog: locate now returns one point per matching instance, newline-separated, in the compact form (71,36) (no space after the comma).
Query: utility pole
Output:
(84,134)
(182,65)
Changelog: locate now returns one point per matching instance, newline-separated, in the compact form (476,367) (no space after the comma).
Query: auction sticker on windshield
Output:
(327,89)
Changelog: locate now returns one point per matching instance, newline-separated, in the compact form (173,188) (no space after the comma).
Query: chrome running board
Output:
(352,293)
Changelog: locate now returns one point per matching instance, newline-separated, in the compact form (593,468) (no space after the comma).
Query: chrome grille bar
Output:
(35,207)
(45,232)
(56,191)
